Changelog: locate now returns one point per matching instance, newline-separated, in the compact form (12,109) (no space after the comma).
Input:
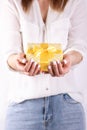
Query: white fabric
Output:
(67,28)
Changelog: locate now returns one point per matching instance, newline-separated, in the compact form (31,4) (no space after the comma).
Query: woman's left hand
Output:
(57,68)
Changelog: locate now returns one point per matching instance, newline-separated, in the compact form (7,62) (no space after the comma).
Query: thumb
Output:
(22,58)
(66,61)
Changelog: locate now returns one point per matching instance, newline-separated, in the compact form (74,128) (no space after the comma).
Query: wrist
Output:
(74,57)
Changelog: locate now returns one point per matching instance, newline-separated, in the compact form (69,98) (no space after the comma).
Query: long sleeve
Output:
(77,39)
(10,29)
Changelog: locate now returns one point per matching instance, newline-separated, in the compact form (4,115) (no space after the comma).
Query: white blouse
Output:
(18,28)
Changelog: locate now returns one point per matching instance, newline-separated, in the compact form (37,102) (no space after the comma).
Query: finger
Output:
(19,66)
(22,61)
(37,70)
(60,68)
(22,58)
(21,55)
(65,62)
(63,69)
(33,68)
(28,65)
(55,68)
(50,70)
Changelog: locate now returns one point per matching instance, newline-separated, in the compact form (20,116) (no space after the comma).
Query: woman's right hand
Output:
(19,63)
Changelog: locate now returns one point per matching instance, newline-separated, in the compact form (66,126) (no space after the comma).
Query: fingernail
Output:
(38,66)
(54,62)
(58,62)
(49,67)
(35,63)
(65,61)
(31,60)
(24,60)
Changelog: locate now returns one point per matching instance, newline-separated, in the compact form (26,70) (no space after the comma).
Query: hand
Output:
(32,68)
(57,68)
(21,64)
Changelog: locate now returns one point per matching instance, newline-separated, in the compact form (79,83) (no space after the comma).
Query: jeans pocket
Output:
(69,99)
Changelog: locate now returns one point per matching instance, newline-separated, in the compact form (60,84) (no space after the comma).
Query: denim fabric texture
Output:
(59,112)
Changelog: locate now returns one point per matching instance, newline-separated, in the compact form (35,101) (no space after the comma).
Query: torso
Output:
(44,5)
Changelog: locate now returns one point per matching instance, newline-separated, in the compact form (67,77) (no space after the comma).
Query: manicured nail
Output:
(54,62)
(58,62)
(38,66)
(35,63)
(32,60)
(24,61)
(65,61)
(49,67)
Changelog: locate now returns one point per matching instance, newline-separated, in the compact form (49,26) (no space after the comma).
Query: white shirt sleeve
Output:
(78,32)
(10,29)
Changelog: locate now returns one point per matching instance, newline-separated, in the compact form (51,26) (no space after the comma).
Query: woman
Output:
(39,101)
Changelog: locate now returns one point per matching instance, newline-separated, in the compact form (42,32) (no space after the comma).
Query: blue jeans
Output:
(58,112)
